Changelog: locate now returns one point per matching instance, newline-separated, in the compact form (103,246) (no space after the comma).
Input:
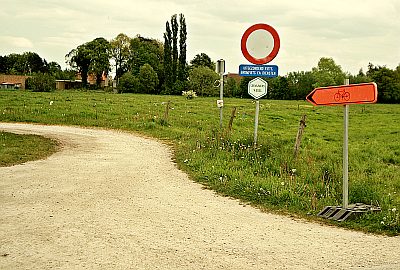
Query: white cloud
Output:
(15,42)
(353,32)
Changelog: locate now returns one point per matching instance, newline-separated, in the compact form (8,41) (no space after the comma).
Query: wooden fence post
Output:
(299,135)
(167,111)
(231,120)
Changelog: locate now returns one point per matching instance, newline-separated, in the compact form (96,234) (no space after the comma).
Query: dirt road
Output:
(112,200)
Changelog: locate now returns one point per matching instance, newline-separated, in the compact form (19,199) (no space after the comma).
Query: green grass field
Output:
(268,175)
(17,149)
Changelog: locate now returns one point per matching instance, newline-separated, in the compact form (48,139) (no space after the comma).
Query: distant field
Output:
(267,176)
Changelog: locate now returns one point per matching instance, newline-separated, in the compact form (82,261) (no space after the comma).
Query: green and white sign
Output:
(257,88)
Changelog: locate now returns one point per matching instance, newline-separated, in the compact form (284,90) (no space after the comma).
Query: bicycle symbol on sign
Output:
(342,95)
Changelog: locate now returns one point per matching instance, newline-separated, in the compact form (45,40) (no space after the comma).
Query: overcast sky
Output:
(352,32)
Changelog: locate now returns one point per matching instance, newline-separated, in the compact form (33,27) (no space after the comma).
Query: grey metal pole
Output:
(346,153)
(221,96)
(256,121)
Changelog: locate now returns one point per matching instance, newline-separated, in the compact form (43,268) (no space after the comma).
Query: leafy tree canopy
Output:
(99,53)
(202,60)
(120,53)
(328,73)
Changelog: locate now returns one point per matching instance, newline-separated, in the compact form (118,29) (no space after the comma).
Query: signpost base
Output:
(340,213)
(256,121)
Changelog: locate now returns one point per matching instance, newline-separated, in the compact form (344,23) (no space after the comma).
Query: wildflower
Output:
(189,94)
(185,160)
(282,183)
(51,103)
(394,210)
(383,223)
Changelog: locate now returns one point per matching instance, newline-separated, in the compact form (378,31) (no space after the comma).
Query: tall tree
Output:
(387,81)
(174,27)
(359,78)
(33,63)
(120,52)
(99,52)
(279,88)
(80,59)
(182,68)
(300,83)
(168,59)
(54,68)
(93,56)
(3,64)
(202,60)
(328,73)
(16,64)
(145,51)
(175,67)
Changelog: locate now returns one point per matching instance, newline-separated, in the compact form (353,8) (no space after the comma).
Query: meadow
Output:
(224,159)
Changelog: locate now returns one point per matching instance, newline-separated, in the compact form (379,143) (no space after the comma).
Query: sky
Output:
(352,32)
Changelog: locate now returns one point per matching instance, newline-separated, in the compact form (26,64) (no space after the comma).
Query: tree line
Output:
(147,65)
(297,85)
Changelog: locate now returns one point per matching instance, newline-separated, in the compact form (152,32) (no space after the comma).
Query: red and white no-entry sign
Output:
(260,43)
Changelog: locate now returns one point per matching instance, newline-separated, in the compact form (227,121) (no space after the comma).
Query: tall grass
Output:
(267,175)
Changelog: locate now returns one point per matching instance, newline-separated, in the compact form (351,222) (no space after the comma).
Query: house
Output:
(74,84)
(234,76)
(12,81)
(92,79)
(68,84)
(7,85)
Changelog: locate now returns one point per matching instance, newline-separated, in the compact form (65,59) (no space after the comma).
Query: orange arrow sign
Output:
(344,94)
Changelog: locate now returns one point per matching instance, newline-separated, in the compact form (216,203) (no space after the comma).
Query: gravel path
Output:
(112,200)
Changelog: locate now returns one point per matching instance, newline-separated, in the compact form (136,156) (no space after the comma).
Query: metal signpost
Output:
(346,152)
(260,44)
(257,88)
(220,68)
(344,95)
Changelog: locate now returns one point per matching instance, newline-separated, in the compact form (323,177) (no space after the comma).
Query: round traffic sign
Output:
(260,44)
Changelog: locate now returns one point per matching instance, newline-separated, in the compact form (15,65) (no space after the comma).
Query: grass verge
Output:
(16,149)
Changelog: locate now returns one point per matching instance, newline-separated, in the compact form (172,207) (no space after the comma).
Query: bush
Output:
(189,94)
(231,88)
(202,81)
(148,79)
(128,84)
(41,83)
